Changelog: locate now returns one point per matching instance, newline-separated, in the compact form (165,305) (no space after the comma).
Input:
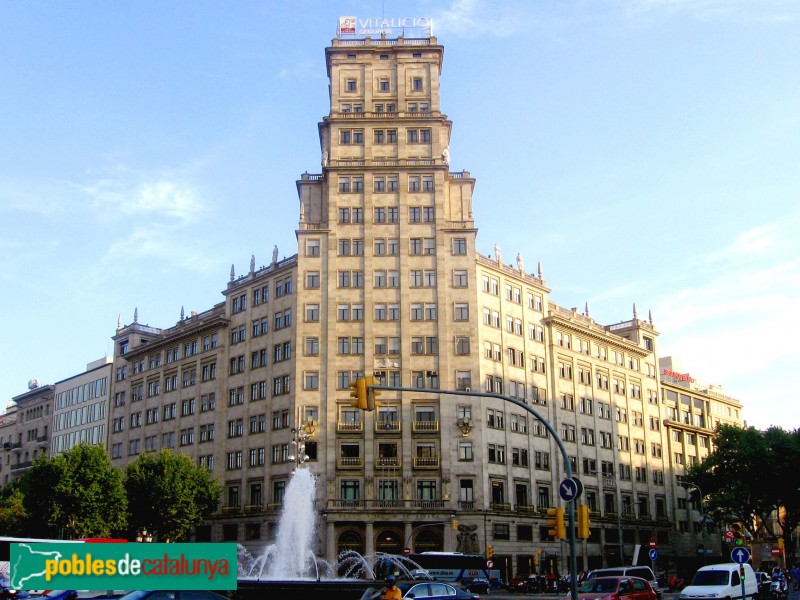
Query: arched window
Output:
(389,541)
(428,540)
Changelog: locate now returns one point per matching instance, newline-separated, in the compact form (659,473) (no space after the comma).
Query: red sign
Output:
(776,551)
(729,535)
(406,550)
(653,542)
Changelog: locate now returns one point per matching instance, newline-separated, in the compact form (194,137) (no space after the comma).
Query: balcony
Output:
(350,462)
(232,509)
(275,506)
(252,508)
(387,426)
(347,503)
(425,427)
(466,504)
(21,465)
(527,509)
(427,504)
(388,462)
(426,462)
(350,426)
(501,506)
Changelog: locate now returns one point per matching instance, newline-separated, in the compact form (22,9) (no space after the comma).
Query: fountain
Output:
(290,565)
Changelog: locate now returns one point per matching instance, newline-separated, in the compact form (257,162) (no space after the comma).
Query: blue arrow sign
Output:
(740,555)
(653,554)
(568,490)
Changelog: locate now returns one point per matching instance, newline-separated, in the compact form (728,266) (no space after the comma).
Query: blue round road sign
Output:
(740,555)
(653,554)
(568,490)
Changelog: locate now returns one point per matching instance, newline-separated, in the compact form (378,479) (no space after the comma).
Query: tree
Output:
(75,495)
(168,494)
(13,516)
(749,474)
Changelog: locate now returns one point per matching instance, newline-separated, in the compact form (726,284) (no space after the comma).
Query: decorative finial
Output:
(275,255)
(520,264)
(497,253)
(586,310)
(650,316)
(119,321)
(136,315)
(635,314)
(233,272)
(252,263)
(183,313)
(541,273)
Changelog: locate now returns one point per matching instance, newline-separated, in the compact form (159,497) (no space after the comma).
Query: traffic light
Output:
(359,393)
(372,395)
(559,529)
(489,552)
(583,522)
(455,524)
(781,544)
(738,533)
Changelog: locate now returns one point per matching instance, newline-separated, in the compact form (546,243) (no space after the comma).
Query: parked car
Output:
(476,585)
(642,571)
(616,588)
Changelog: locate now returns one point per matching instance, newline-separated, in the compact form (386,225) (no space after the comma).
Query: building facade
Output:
(387,282)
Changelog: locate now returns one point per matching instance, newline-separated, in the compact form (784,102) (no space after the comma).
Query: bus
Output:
(454,566)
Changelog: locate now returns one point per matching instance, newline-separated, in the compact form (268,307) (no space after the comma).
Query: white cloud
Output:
(128,193)
(468,17)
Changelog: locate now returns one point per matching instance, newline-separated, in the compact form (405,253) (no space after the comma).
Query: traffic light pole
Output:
(573,563)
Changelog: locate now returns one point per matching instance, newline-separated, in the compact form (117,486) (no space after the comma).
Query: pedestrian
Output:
(795,573)
(391,592)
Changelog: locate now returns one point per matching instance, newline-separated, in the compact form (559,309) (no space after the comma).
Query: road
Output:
(504,595)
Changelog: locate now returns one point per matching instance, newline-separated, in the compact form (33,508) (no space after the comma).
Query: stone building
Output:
(387,281)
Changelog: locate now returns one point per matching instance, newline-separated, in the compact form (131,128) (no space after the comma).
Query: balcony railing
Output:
(526,509)
(231,509)
(275,506)
(425,426)
(251,508)
(387,426)
(427,504)
(426,462)
(350,462)
(466,504)
(21,465)
(350,426)
(388,462)
(501,506)
(347,503)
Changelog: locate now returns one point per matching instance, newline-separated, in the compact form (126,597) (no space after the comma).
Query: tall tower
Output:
(386,246)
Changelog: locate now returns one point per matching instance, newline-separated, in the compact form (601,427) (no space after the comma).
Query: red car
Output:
(616,588)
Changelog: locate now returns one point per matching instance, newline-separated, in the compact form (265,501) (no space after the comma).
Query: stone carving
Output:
(467,539)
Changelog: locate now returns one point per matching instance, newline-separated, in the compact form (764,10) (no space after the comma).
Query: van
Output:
(722,582)
(642,571)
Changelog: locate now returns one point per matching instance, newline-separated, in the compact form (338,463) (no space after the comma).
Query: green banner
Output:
(123,566)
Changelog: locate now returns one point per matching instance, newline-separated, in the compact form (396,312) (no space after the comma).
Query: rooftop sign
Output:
(378,25)
(679,376)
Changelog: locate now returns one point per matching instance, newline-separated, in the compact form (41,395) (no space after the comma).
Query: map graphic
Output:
(27,556)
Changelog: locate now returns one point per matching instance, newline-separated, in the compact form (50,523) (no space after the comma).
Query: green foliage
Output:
(749,474)
(74,495)
(168,495)
(13,515)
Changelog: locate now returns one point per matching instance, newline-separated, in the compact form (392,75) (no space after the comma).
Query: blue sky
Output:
(644,151)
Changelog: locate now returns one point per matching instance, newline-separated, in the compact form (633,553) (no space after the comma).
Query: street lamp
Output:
(702,519)
(144,536)
(607,476)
